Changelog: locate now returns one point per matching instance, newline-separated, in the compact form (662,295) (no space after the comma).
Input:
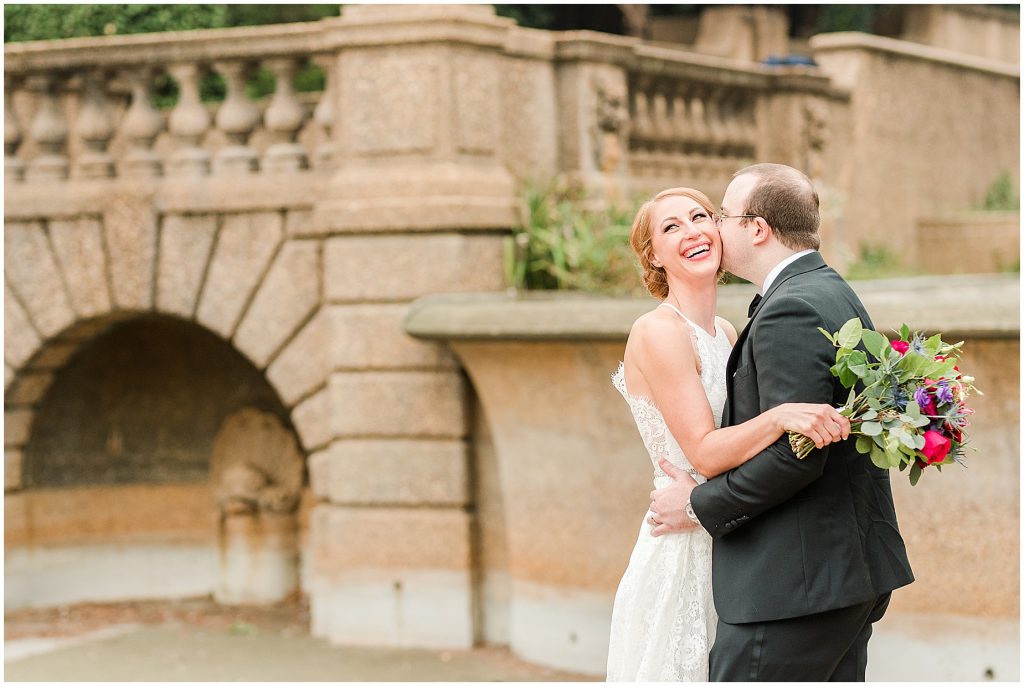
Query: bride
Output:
(673,377)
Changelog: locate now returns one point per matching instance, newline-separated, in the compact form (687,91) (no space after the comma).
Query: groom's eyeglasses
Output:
(719,218)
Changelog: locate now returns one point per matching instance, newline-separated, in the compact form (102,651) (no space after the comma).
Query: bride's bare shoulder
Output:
(657,333)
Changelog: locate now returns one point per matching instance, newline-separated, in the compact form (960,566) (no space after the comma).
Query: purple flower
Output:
(944,394)
(924,400)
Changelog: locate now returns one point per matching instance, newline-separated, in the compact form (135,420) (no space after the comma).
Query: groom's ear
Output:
(762,231)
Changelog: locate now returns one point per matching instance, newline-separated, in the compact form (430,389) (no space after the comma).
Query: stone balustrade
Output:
(83,108)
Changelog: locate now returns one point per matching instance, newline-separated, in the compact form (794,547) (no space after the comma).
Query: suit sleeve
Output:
(793,362)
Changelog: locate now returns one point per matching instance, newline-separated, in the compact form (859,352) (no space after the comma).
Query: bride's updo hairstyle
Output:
(640,238)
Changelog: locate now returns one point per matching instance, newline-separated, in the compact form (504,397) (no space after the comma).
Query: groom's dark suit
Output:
(806,551)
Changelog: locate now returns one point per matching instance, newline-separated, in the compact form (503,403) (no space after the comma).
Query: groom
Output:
(806,552)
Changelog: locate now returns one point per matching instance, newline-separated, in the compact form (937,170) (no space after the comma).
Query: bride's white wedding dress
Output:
(664,619)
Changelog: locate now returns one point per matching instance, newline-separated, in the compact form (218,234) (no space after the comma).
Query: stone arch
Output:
(235,274)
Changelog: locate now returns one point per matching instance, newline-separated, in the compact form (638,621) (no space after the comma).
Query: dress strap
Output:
(674,309)
(692,323)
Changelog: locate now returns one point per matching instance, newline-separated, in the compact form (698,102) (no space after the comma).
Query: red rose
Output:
(936,446)
(900,346)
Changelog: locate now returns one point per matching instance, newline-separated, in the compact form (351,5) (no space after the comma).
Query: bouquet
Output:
(912,410)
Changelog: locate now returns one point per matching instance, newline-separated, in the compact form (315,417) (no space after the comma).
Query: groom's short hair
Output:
(785,198)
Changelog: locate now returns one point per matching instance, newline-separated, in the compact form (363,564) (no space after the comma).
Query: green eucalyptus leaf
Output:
(871,428)
(869,415)
(919,441)
(879,458)
(864,444)
(850,333)
(907,440)
(923,421)
(875,343)
(879,440)
(913,409)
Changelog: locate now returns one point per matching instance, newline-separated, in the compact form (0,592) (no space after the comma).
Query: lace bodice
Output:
(713,352)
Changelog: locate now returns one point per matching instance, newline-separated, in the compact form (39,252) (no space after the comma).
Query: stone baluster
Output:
(283,119)
(323,115)
(188,123)
(14,166)
(700,135)
(662,124)
(680,119)
(236,117)
(641,124)
(95,126)
(141,125)
(717,134)
(49,130)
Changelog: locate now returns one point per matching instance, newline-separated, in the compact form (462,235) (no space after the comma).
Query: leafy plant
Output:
(566,243)
(1002,195)
(876,261)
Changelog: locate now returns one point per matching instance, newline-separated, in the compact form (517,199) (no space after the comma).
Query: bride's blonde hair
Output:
(640,238)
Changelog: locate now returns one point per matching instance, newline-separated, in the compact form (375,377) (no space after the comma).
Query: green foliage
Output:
(846,18)
(566,244)
(876,261)
(45,22)
(531,16)
(1002,195)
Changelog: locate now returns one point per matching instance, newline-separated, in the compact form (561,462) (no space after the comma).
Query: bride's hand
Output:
(821,423)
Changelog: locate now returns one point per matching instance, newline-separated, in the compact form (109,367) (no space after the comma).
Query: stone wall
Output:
(574,476)
(989,32)
(912,150)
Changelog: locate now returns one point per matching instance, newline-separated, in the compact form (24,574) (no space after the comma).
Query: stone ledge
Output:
(987,306)
(853,40)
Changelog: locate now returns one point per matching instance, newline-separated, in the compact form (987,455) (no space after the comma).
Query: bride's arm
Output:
(667,360)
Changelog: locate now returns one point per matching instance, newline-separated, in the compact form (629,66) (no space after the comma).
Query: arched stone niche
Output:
(118,498)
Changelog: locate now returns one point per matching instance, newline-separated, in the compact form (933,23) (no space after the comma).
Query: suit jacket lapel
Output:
(803,265)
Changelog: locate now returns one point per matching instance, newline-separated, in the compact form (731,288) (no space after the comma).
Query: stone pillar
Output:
(417,204)
(593,100)
(743,32)
(417,144)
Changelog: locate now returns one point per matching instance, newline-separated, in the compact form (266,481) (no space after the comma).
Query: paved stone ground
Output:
(197,640)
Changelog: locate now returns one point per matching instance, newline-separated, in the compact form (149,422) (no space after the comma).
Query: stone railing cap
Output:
(970,305)
(824,42)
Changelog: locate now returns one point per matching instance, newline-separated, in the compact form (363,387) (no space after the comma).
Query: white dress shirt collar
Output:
(780,266)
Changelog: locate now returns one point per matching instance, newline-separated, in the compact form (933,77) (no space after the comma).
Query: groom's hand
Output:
(668,504)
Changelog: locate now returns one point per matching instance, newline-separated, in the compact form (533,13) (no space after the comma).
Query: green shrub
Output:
(566,244)
(1002,195)
(876,261)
